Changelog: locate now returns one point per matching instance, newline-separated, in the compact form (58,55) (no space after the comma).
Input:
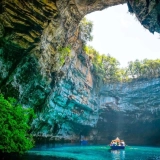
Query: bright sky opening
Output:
(120,34)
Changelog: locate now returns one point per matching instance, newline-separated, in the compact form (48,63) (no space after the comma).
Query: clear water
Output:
(93,153)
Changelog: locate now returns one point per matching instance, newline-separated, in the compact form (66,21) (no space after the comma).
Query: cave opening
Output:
(118,33)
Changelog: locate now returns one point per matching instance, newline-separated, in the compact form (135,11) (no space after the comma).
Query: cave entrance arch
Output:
(140,127)
(119,33)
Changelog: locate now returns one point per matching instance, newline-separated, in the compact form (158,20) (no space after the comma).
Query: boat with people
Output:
(117,144)
(83,140)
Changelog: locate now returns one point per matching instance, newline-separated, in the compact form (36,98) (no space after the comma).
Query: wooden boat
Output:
(117,144)
(117,147)
(84,142)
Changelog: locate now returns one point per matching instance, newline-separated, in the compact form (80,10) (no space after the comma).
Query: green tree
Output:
(144,69)
(112,71)
(123,74)
(64,53)
(86,27)
(105,68)
(14,126)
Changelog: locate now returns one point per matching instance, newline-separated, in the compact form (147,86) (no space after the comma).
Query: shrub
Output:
(64,53)
(86,27)
(14,126)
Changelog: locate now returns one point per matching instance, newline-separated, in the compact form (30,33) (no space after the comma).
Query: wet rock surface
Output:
(131,110)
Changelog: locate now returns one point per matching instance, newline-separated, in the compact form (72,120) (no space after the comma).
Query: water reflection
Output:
(118,154)
(89,152)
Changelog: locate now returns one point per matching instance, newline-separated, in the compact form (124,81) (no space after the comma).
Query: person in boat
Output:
(117,142)
(83,140)
(122,143)
(113,143)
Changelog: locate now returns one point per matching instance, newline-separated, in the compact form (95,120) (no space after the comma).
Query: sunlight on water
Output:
(97,153)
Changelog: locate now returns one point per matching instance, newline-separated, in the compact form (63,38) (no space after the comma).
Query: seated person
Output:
(122,143)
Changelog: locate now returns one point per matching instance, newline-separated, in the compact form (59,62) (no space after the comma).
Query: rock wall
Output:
(72,105)
(64,96)
(131,111)
(147,12)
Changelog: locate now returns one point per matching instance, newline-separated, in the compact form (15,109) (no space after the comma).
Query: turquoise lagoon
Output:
(92,152)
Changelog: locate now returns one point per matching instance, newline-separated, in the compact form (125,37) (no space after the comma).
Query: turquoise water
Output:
(93,153)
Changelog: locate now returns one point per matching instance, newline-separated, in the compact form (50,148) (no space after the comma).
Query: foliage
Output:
(144,69)
(105,68)
(64,52)
(86,27)
(14,121)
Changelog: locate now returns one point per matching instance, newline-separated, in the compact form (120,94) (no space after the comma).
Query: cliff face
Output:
(132,96)
(132,109)
(147,12)
(71,107)
(64,96)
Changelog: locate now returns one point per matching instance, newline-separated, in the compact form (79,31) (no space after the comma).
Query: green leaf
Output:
(14,135)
